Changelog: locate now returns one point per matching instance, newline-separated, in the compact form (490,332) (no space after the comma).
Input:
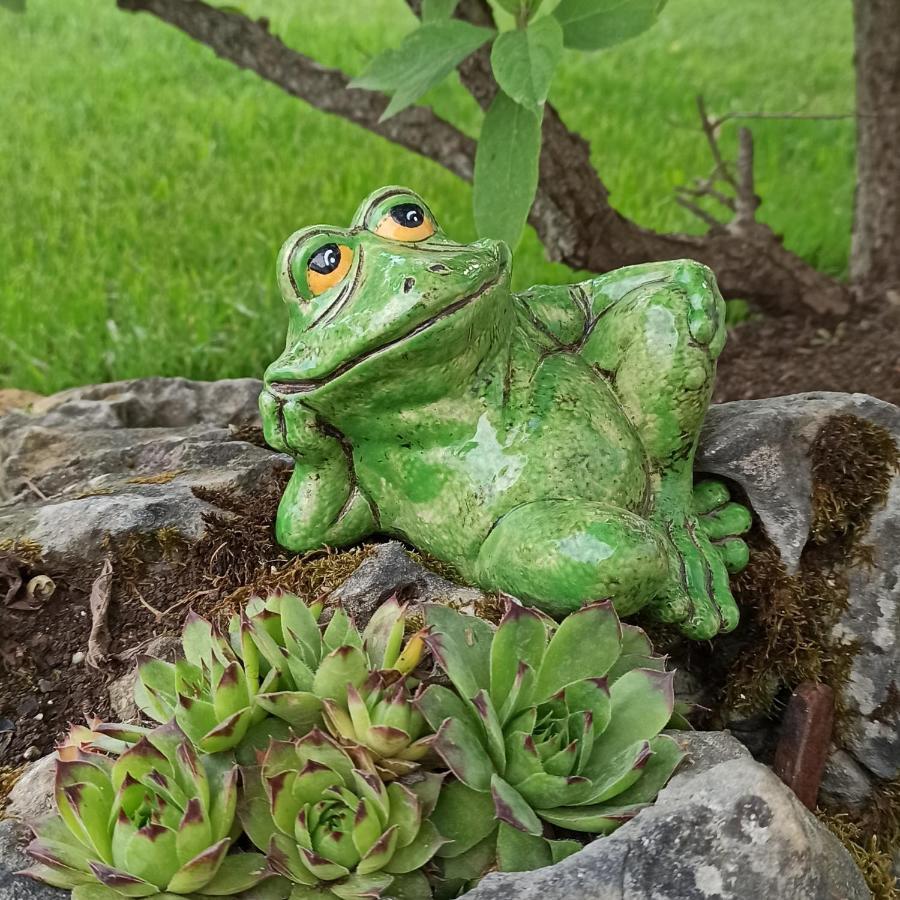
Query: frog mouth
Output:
(303,386)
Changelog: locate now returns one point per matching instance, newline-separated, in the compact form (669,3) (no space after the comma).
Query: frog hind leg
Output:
(558,555)
(657,342)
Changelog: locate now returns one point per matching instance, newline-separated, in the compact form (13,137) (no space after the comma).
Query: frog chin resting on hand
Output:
(541,442)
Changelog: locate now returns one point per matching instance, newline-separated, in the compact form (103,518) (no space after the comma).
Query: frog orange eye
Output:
(327,266)
(405,222)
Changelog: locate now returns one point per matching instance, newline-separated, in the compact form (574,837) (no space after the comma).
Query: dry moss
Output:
(872,835)
(161,478)
(852,462)
(788,620)
(9,775)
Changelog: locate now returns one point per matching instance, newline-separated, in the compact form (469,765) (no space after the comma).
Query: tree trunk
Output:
(875,257)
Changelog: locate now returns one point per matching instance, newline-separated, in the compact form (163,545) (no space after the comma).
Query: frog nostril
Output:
(438,268)
(408,284)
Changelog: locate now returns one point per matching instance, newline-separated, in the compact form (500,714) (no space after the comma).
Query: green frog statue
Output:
(541,443)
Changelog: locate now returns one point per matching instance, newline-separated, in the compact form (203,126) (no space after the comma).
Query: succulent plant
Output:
(331,828)
(367,701)
(548,726)
(278,660)
(157,819)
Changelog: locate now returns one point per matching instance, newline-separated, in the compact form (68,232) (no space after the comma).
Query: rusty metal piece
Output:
(804,741)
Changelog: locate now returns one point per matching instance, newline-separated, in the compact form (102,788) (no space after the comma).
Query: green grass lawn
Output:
(146,186)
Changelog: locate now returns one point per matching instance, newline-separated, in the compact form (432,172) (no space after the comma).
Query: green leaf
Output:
(424,58)
(511,807)
(462,647)
(411,886)
(525,59)
(506,170)
(463,816)
(460,747)
(641,704)
(433,10)
(344,666)
(298,708)
(595,24)
(560,850)
(413,856)
(599,819)
(585,645)
(521,852)
(16,6)
(667,756)
(521,637)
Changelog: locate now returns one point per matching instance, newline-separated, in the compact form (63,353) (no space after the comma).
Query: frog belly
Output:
(568,438)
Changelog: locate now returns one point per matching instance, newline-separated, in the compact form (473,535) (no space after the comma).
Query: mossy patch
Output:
(9,775)
(786,635)
(872,835)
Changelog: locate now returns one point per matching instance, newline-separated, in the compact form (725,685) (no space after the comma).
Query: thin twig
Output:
(698,211)
(712,138)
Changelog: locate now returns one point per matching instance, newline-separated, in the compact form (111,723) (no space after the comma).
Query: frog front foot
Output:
(707,547)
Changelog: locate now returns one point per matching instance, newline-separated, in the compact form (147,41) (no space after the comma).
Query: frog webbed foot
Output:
(707,546)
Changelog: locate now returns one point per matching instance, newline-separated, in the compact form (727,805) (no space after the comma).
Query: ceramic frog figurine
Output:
(541,443)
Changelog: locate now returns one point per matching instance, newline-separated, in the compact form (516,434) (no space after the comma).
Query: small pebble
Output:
(46,685)
(77,658)
(39,717)
(31,753)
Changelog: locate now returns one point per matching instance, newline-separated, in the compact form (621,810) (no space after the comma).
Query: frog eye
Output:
(405,222)
(327,266)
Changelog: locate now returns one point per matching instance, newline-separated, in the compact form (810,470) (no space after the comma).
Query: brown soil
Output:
(155,583)
(770,357)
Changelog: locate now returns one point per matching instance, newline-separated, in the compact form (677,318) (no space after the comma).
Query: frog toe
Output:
(734,552)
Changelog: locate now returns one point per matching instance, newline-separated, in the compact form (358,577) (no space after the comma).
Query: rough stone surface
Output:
(725,828)
(32,795)
(121,691)
(391,570)
(871,625)
(125,458)
(763,445)
(845,783)
(13,837)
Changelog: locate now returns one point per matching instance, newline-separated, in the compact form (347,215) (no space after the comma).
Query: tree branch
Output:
(571,214)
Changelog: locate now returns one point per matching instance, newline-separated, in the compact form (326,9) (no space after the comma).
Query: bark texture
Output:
(572,213)
(875,258)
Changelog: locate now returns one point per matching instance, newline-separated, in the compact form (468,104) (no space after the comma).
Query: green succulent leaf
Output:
(300,709)
(518,851)
(666,758)
(383,636)
(154,689)
(560,850)
(464,817)
(585,645)
(424,58)
(461,749)
(342,667)
(197,872)
(462,647)
(596,24)
(437,703)
(599,819)
(417,852)
(511,807)
(525,59)
(521,637)
(641,704)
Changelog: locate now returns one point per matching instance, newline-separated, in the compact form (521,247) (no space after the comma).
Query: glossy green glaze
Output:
(542,442)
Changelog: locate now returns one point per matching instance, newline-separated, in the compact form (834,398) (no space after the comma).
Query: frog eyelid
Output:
(303,249)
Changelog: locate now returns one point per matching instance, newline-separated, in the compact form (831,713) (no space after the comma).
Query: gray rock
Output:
(13,837)
(725,828)
(763,445)
(390,570)
(121,691)
(32,795)
(871,627)
(845,783)
(126,458)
